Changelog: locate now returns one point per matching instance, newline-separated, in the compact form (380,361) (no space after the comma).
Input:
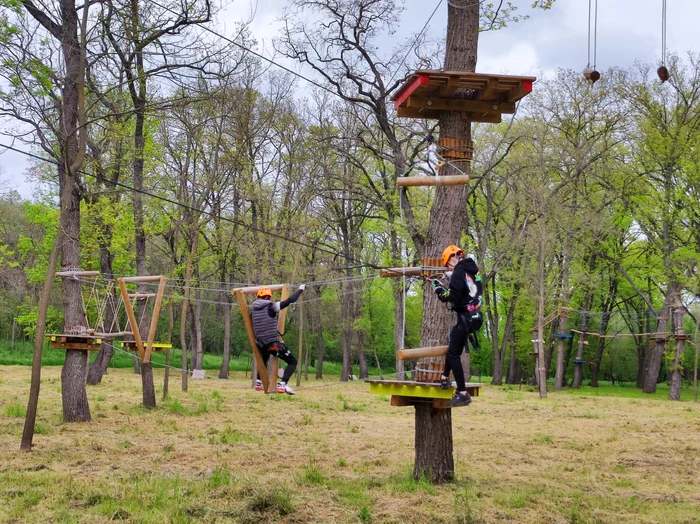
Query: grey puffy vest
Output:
(264,326)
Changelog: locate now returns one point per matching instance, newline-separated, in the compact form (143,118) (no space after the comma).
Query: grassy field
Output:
(334,453)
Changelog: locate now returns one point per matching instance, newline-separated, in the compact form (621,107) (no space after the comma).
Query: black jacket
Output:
(459,294)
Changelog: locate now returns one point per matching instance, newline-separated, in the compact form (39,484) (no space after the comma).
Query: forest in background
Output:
(587,198)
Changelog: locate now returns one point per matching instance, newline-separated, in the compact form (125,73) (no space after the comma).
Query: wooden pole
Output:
(454,180)
(695,369)
(435,351)
(30,418)
(130,314)
(154,320)
(301,350)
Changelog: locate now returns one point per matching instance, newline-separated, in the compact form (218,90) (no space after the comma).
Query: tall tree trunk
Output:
(660,344)
(513,371)
(223,372)
(318,328)
(674,392)
(578,367)
(448,219)
(595,368)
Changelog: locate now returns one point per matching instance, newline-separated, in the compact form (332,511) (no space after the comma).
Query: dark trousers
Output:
(458,341)
(281,351)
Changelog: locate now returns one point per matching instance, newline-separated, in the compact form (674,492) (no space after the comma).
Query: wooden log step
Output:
(413,181)
(435,351)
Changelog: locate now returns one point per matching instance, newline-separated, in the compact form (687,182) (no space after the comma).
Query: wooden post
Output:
(301,350)
(154,320)
(130,315)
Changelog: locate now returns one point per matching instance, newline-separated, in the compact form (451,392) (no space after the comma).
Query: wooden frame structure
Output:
(144,352)
(268,375)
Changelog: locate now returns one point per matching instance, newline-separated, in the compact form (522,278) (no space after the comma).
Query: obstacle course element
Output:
(409,393)
(144,352)
(269,379)
(427,93)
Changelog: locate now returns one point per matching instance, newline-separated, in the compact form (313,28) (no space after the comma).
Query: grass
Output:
(222,452)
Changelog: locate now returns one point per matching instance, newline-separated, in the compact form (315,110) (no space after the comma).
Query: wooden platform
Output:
(428,93)
(157,346)
(78,342)
(409,392)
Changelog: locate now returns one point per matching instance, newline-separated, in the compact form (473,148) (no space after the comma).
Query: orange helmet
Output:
(449,251)
(264,292)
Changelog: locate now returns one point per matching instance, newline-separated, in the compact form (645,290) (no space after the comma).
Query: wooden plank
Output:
(412,112)
(435,351)
(86,346)
(452,84)
(410,390)
(408,88)
(142,295)
(400,401)
(130,314)
(245,313)
(479,106)
(154,319)
(423,181)
(520,91)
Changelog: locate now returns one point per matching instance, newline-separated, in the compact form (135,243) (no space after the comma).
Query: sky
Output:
(628,31)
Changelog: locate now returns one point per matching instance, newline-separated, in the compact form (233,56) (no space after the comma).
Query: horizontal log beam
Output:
(455,104)
(435,351)
(146,278)
(395,272)
(413,181)
(69,274)
(254,289)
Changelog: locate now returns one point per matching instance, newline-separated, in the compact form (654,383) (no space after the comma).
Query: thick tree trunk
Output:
(434,457)
(448,219)
(223,372)
(559,375)
(674,392)
(578,368)
(660,344)
(73,375)
(320,346)
(347,314)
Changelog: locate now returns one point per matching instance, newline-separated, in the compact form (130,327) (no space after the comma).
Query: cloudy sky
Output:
(628,31)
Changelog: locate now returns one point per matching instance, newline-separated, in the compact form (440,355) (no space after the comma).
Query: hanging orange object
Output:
(663,74)
(591,75)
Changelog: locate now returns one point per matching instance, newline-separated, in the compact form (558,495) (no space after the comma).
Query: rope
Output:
(663,32)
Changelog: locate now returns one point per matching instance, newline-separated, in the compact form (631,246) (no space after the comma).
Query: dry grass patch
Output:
(334,453)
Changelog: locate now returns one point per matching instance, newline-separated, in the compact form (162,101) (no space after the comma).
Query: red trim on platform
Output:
(527,86)
(421,80)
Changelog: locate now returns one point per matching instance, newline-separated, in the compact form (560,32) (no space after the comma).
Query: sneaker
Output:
(282,387)
(460,399)
(445,383)
(258,385)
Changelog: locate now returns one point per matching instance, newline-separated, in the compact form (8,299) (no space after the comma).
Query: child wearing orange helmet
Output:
(264,315)
(464,294)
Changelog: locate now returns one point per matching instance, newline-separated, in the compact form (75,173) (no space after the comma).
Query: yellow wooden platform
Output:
(409,392)
(157,346)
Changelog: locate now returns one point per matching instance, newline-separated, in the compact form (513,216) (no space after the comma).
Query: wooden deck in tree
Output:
(428,93)
(409,392)
(77,342)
